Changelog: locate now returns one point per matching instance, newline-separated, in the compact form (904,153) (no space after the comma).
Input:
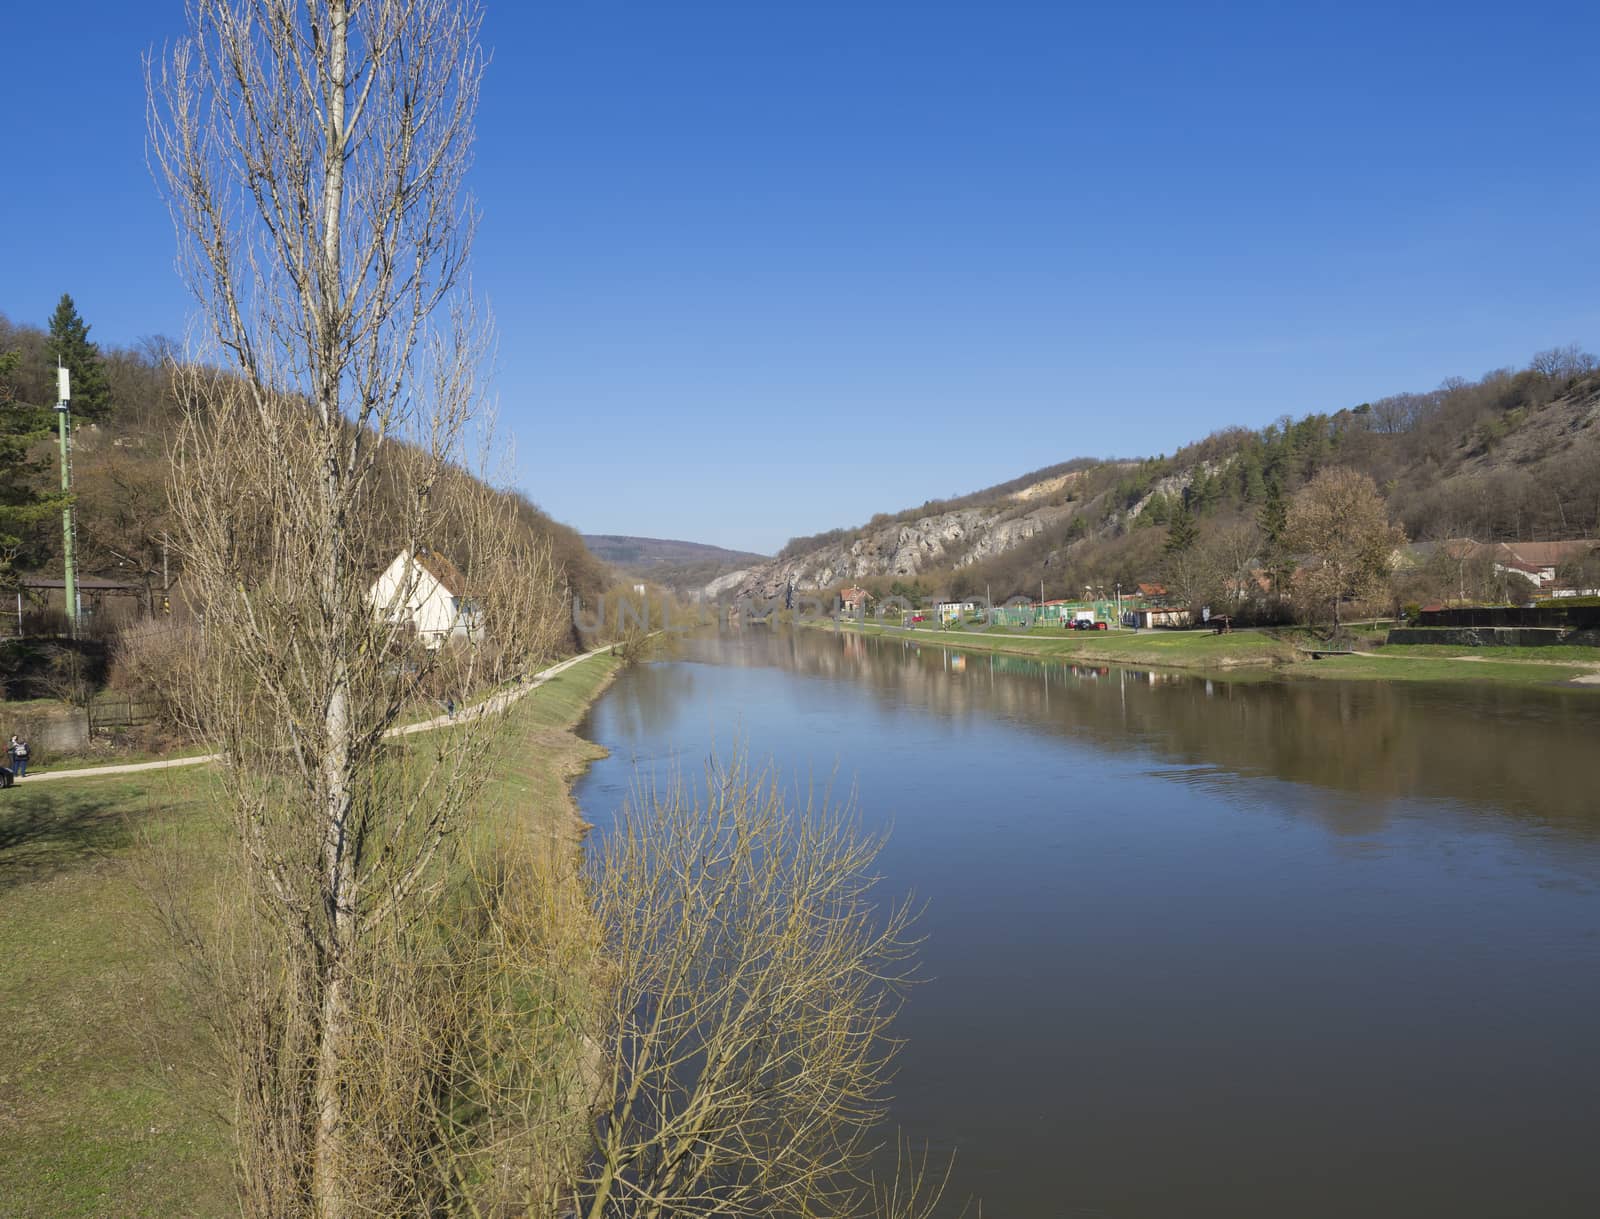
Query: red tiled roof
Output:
(442,570)
(1549,554)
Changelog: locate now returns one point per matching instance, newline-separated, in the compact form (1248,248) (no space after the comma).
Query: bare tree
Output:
(1338,524)
(1236,551)
(1398,413)
(313,154)
(737,1060)
(1560,363)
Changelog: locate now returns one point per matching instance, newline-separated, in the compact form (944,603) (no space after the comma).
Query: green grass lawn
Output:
(104,1108)
(92,1120)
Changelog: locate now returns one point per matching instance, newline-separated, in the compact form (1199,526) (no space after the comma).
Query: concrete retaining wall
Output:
(49,734)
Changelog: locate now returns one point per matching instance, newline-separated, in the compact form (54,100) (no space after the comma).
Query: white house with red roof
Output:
(854,599)
(428,591)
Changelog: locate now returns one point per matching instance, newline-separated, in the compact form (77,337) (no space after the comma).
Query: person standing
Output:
(19,756)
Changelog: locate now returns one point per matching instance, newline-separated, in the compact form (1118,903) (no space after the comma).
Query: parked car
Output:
(6,777)
(1088,624)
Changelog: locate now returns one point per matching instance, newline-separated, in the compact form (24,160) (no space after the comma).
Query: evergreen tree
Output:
(1202,493)
(27,504)
(1252,484)
(1183,532)
(1274,514)
(69,343)
(1274,521)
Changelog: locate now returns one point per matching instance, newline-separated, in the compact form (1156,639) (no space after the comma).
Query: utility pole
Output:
(70,559)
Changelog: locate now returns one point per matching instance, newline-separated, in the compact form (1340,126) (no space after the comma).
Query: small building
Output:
(1536,574)
(428,591)
(1150,616)
(954,611)
(854,599)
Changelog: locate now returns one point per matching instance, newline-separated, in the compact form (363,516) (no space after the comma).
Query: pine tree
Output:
(1183,532)
(27,503)
(1274,513)
(69,343)
(1252,484)
(1273,519)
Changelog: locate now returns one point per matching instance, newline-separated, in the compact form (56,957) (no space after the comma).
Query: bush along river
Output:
(1197,947)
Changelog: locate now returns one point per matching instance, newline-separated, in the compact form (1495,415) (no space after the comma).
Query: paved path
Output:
(494,703)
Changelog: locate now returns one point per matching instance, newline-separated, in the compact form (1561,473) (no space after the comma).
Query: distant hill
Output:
(684,567)
(1512,456)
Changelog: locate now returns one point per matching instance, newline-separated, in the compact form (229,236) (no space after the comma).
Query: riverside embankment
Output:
(1247,652)
(94,1121)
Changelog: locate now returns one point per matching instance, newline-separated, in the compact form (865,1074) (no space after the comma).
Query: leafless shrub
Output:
(150,662)
(721,1045)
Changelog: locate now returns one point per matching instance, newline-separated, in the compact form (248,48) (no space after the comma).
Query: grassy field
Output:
(104,1110)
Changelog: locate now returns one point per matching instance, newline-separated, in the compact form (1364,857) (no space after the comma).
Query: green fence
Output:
(1050,616)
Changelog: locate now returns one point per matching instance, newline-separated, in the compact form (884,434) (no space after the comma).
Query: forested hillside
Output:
(125,416)
(1513,455)
(682,567)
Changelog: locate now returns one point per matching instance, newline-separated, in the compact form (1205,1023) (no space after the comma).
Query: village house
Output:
(1537,575)
(1536,562)
(854,599)
(428,591)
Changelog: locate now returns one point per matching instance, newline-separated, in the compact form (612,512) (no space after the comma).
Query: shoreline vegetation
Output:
(105,1107)
(1245,652)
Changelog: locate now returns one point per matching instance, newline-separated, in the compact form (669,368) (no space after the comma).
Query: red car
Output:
(1089,624)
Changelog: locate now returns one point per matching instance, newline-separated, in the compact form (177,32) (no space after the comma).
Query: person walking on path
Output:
(18,749)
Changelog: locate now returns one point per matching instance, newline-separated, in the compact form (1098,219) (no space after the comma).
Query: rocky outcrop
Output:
(1175,485)
(901,549)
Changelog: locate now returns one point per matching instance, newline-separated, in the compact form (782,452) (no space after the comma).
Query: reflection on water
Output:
(1201,946)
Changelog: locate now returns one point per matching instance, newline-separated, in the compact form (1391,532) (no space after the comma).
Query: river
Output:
(1199,947)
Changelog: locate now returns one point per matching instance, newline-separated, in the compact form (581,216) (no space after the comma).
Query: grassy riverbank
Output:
(1170,649)
(103,1108)
(1250,651)
(1401,663)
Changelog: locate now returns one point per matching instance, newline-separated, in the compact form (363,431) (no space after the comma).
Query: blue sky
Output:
(764,269)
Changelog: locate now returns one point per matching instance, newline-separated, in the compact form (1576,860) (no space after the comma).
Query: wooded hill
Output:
(1513,455)
(125,415)
(682,567)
